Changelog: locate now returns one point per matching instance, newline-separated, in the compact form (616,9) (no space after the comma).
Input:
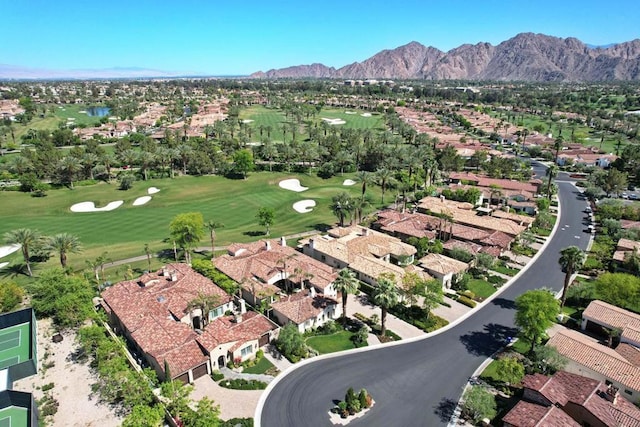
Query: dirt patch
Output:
(71,383)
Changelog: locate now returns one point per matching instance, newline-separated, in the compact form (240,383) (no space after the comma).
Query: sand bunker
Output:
(304,206)
(247,121)
(293,185)
(334,121)
(91,207)
(350,112)
(349,182)
(3,264)
(141,200)
(6,250)
(366,114)
(153,190)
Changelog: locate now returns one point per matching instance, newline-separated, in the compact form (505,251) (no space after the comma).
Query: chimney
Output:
(612,394)
(312,292)
(283,241)
(238,318)
(267,245)
(442,198)
(164,271)
(243,306)
(174,276)
(365,231)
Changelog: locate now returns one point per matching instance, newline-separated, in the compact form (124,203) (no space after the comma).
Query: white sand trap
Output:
(292,184)
(91,207)
(334,121)
(153,190)
(366,114)
(247,121)
(3,264)
(141,200)
(304,206)
(6,250)
(350,112)
(349,182)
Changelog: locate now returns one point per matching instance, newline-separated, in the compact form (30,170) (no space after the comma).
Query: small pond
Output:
(98,111)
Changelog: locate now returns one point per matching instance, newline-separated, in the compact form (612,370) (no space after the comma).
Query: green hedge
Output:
(466,301)
(242,384)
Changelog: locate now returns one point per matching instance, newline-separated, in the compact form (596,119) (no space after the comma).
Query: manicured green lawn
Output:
(259,368)
(123,232)
(51,119)
(481,288)
(505,270)
(331,343)
(490,372)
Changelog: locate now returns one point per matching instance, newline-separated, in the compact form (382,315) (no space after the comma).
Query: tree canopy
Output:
(187,229)
(535,313)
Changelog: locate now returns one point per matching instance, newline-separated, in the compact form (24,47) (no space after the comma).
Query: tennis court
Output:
(14,347)
(14,416)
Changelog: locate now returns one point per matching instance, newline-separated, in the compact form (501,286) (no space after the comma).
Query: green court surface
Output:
(13,416)
(14,346)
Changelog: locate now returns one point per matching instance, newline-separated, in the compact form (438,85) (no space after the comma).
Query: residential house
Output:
(157,315)
(599,315)
(591,359)
(264,267)
(443,268)
(306,309)
(367,252)
(624,249)
(567,399)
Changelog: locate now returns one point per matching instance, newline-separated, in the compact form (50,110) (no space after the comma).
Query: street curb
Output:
(265,394)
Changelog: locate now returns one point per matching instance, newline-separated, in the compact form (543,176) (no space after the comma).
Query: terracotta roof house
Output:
(363,250)
(609,316)
(154,314)
(485,181)
(624,248)
(594,360)
(628,224)
(443,268)
(578,401)
(260,266)
(306,309)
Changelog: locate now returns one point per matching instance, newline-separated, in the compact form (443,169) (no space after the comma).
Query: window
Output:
(629,392)
(246,351)
(216,312)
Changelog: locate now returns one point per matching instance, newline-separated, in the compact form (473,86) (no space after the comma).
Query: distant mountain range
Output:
(525,57)
(12,72)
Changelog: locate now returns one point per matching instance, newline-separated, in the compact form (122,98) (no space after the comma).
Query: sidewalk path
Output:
(360,304)
(278,360)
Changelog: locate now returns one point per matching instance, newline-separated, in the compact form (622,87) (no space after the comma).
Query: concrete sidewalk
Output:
(278,360)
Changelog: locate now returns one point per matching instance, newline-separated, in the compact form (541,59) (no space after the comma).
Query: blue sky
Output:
(234,38)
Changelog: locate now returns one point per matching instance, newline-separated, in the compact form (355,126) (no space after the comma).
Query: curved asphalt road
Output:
(420,382)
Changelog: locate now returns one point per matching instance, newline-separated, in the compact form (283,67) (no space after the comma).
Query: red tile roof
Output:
(300,306)
(248,327)
(526,414)
(610,316)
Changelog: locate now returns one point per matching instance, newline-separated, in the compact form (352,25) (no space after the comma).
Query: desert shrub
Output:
(466,301)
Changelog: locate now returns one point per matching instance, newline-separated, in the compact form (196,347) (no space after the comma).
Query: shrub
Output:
(469,294)
(217,376)
(242,384)
(126,182)
(495,280)
(466,301)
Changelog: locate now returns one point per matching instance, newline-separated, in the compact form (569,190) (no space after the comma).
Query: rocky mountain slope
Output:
(527,56)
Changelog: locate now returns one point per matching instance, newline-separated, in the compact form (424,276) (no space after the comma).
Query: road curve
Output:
(419,383)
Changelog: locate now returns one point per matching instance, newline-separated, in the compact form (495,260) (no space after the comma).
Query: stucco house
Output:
(600,314)
(443,268)
(156,315)
(306,309)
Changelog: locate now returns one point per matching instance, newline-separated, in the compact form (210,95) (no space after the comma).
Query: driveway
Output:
(360,304)
(233,403)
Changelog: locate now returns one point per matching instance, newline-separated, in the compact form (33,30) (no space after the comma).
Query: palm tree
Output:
(341,206)
(384,177)
(68,167)
(557,145)
(346,283)
(212,225)
(365,178)
(571,258)
(63,244)
(552,171)
(205,303)
(27,239)
(385,295)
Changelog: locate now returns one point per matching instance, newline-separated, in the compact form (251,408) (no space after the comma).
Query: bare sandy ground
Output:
(91,207)
(304,206)
(3,264)
(141,200)
(72,383)
(153,190)
(9,249)
(292,185)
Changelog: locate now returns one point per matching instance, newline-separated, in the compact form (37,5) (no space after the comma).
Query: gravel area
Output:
(72,383)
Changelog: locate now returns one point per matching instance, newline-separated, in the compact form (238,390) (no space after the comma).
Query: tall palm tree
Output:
(212,225)
(557,145)
(68,167)
(63,244)
(384,177)
(341,206)
(571,258)
(366,178)
(27,239)
(386,295)
(346,283)
(552,171)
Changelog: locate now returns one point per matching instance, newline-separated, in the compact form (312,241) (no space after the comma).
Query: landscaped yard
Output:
(481,288)
(503,269)
(123,232)
(338,341)
(261,367)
